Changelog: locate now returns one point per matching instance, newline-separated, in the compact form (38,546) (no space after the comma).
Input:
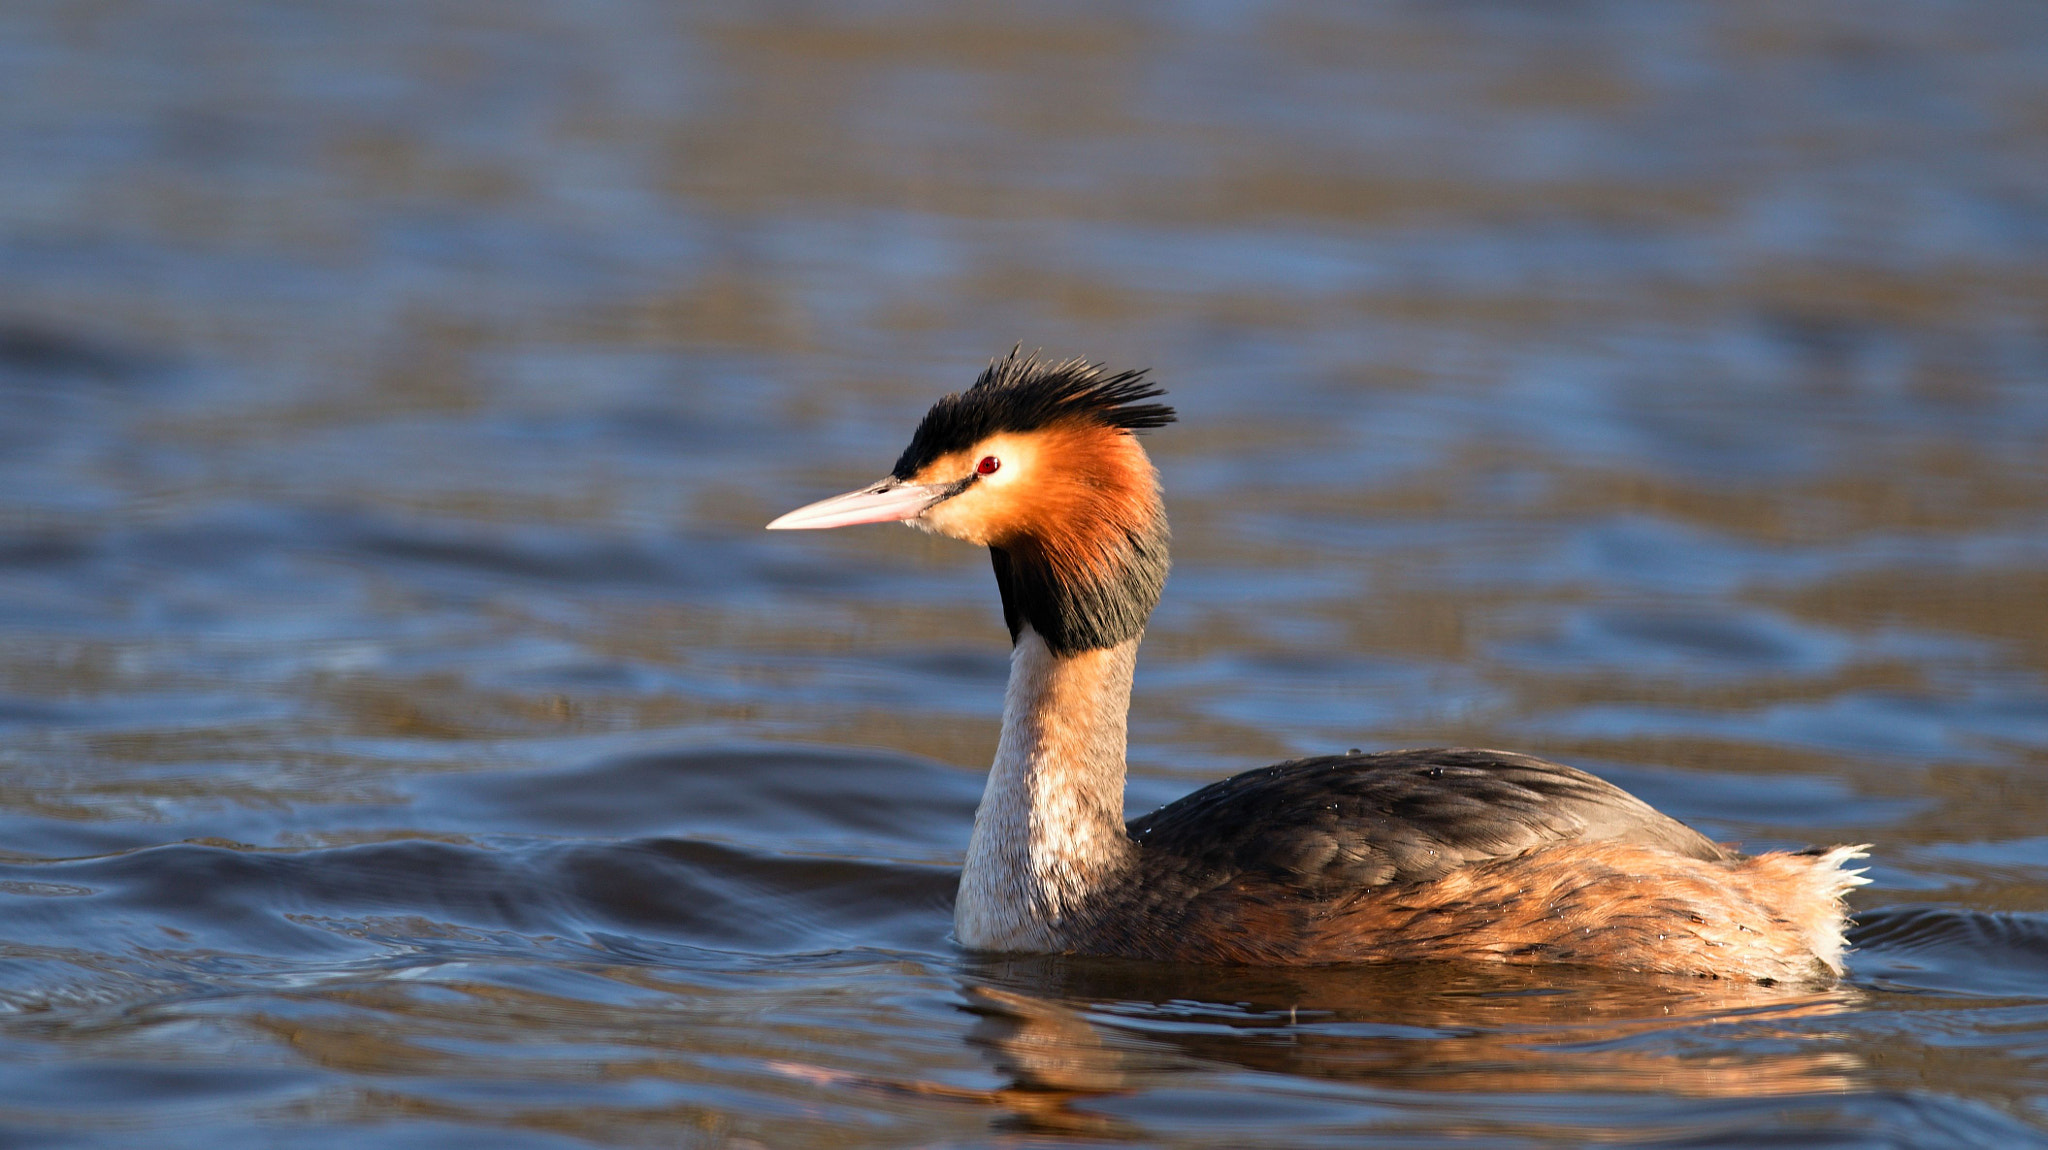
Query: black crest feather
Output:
(1018,393)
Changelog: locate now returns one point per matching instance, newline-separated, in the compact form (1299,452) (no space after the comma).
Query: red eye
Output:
(988,465)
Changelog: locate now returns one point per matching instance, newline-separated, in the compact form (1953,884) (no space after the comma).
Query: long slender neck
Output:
(1050,829)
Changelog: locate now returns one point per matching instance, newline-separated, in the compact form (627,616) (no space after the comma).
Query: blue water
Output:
(409,737)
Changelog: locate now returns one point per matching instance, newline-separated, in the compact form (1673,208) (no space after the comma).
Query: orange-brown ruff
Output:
(1404,855)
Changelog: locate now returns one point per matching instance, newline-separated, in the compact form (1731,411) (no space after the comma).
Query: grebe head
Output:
(1039,463)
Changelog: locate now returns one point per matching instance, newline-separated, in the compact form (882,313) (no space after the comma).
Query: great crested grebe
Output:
(1397,856)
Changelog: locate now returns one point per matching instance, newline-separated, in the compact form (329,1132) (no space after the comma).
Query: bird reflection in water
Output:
(1063,1031)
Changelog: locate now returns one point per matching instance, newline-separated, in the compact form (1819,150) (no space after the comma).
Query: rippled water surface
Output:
(408,737)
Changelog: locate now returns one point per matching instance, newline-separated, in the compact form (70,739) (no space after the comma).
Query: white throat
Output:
(1050,830)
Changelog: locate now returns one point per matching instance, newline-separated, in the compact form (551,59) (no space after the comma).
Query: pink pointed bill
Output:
(889,501)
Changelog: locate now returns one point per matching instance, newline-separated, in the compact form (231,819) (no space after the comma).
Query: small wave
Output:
(1951,950)
(424,896)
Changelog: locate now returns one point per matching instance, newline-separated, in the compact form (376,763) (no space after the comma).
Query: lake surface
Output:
(408,737)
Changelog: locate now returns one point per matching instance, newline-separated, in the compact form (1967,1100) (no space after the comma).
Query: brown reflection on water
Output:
(1061,1035)
(1085,1030)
